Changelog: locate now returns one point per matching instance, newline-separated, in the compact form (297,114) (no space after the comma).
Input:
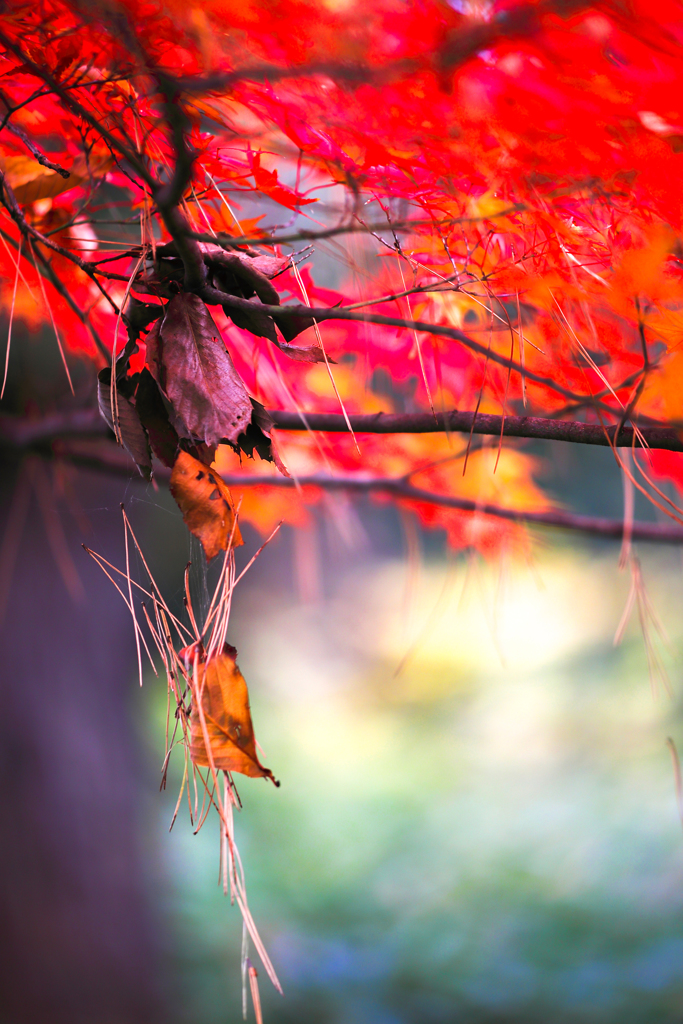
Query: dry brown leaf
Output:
(190,363)
(154,418)
(221,692)
(206,505)
(304,354)
(258,322)
(130,429)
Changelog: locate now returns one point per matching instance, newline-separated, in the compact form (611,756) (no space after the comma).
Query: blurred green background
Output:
(477,819)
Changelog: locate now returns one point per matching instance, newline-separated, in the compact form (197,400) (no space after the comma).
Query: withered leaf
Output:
(292,326)
(206,505)
(258,321)
(249,277)
(205,453)
(154,418)
(262,324)
(130,429)
(268,266)
(221,692)
(258,438)
(304,353)
(190,363)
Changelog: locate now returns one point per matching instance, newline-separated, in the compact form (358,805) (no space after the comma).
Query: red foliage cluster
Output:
(505,173)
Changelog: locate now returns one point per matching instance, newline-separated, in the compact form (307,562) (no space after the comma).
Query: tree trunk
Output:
(77,933)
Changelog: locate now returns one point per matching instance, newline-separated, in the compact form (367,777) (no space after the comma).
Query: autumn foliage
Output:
(501,182)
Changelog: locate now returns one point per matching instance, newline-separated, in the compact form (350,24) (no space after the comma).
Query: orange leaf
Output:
(30,181)
(221,699)
(206,505)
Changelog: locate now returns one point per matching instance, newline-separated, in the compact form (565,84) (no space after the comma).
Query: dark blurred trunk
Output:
(77,937)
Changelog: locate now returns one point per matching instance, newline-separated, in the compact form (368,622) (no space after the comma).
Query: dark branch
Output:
(20,432)
(64,93)
(658,437)
(215,297)
(523,19)
(8,200)
(33,149)
(113,460)
(237,241)
(661,533)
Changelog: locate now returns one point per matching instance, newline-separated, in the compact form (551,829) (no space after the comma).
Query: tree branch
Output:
(20,432)
(613,529)
(304,235)
(24,432)
(116,461)
(42,72)
(213,296)
(28,231)
(655,437)
(33,149)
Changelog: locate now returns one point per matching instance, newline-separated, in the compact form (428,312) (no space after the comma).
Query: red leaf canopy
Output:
(499,181)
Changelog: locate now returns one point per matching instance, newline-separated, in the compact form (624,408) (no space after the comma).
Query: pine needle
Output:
(11,321)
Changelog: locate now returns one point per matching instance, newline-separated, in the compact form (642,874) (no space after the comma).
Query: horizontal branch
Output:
(25,432)
(655,437)
(213,296)
(112,459)
(596,526)
(356,227)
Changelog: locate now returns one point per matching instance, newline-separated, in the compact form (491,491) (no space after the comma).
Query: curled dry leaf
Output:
(246,276)
(303,353)
(154,417)
(128,426)
(258,437)
(258,322)
(190,363)
(267,266)
(221,699)
(206,505)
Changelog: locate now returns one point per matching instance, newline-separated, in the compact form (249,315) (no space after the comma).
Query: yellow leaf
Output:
(206,505)
(221,715)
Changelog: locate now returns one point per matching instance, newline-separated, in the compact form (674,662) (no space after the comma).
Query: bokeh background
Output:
(477,819)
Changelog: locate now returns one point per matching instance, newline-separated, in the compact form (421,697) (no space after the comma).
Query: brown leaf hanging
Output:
(258,437)
(154,418)
(190,363)
(257,321)
(206,505)
(128,426)
(221,693)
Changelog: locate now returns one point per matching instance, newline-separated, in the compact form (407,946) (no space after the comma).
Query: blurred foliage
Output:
(477,820)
